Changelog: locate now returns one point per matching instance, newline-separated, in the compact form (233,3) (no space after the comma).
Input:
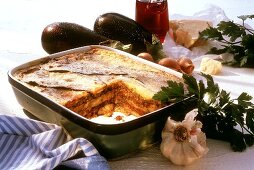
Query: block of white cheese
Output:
(210,66)
(186,32)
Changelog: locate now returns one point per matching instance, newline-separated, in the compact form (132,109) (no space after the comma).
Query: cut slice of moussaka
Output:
(97,82)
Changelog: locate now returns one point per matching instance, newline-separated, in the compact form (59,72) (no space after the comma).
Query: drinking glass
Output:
(153,15)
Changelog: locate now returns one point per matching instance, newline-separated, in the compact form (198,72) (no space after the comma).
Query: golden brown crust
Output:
(97,82)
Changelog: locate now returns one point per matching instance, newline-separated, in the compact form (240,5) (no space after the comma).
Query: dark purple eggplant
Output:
(60,36)
(119,27)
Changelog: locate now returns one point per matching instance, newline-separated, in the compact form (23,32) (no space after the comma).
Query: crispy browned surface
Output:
(97,82)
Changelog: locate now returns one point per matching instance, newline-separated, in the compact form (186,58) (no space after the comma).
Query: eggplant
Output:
(60,36)
(119,27)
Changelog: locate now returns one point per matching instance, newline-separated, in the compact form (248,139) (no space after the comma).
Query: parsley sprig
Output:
(234,38)
(223,118)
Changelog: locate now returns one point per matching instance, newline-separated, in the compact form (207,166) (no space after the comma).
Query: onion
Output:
(186,64)
(170,63)
(146,56)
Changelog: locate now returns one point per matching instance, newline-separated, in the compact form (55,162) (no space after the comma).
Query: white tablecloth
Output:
(21,24)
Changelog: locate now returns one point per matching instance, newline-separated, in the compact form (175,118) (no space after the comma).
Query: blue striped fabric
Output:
(30,144)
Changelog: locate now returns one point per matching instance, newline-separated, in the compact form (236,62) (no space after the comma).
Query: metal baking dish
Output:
(113,141)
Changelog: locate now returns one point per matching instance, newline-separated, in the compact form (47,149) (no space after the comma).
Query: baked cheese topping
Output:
(97,82)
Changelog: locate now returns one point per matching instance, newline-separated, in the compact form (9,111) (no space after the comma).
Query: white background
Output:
(21,25)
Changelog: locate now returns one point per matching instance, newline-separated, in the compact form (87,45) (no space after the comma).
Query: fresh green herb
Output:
(223,118)
(234,38)
(155,48)
(117,45)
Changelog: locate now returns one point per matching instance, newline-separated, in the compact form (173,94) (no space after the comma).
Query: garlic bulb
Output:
(183,142)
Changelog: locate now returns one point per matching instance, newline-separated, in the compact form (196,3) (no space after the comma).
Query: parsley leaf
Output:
(211,33)
(173,93)
(192,84)
(219,113)
(231,30)
(233,38)
(245,17)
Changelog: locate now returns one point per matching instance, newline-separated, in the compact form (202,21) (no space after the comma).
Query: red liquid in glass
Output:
(154,17)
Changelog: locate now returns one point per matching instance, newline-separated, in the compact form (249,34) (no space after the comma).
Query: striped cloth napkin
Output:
(30,144)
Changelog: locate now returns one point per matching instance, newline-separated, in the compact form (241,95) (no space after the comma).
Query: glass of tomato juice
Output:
(153,15)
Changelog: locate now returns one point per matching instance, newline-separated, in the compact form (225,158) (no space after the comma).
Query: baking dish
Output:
(112,140)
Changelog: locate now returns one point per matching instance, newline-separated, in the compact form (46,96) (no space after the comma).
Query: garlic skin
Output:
(183,142)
